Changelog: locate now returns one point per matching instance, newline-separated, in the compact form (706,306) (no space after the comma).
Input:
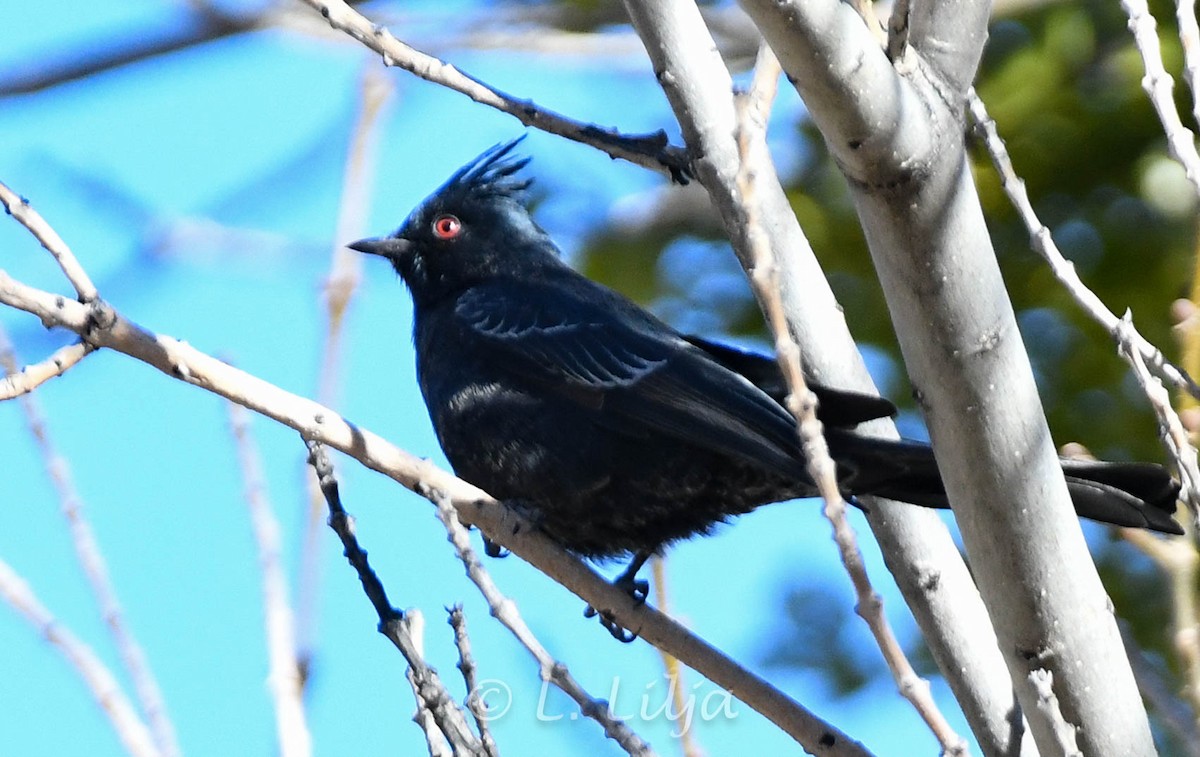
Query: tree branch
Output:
(19,208)
(802,404)
(505,610)
(466,665)
(949,37)
(17,382)
(916,544)
(649,150)
(404,630)
(960,342)
(1043,244)
(826,43)
(132,732)
(1189,38)
(338,291)
(144,44)
(286,677)
(95,567)
(1158,84)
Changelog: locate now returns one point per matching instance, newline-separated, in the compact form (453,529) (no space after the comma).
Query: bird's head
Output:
(473,228)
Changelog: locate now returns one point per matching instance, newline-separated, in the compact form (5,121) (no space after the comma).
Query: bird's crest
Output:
(490,174)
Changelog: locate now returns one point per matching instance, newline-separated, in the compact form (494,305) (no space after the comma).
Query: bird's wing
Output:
(551,337)
(636,373)
(835,407)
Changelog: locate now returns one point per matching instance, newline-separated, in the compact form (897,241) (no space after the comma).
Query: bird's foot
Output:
(610,624)
(492,549)
(638,590)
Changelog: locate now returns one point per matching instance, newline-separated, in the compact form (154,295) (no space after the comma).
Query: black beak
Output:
(388,247)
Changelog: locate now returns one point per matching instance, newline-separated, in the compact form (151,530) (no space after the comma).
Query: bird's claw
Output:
(492,549)
(610,624)
(638,590)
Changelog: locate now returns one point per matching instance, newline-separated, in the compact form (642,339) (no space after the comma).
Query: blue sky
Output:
(135,169)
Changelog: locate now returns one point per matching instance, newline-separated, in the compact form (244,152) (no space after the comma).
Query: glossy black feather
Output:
(835,407)
(613,431)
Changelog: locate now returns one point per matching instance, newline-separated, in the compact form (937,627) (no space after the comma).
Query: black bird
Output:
(616,434)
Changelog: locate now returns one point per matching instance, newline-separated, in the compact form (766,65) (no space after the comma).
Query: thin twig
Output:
(897,34)
(401,631)
(95,568)
(505,610)
(671,666)
(1043,243)
(866,10)
(1189,38)
(413,622)
(136,45)
(466,665)
(764,86)
(1064,732)
(339,289)
(649,150)
(1176,438)
(1177,557)
(132,732)
(802,404)
(15,383)
(20,209)
(1158,84)
(285,677)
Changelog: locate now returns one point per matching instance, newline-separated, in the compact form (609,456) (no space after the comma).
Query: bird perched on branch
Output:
(616,434)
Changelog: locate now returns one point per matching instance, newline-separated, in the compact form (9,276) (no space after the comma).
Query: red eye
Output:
(447,227)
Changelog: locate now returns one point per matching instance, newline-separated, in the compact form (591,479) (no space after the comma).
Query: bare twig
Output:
(1176,557)
(466,665)
(1043,683)
(764,86)
(802,404)
(1174,435)
(15,383)
(674,671)
(141,45)
(505,610)
(95,568)
(1064,270)
(1158,85)
(897,35)
(866,9)
(401,630)
(20,209)
(344,275)
(291,724)
(132,732)
(649,150)
(1142,355)
(414,623)
(1189,37)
